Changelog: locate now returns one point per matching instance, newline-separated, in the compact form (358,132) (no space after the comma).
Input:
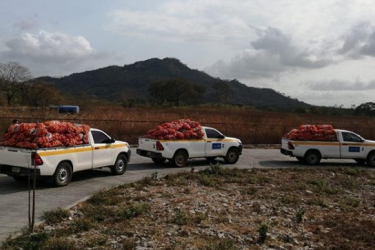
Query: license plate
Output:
(16,169)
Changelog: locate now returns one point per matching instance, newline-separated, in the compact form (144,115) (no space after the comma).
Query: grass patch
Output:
(55,216)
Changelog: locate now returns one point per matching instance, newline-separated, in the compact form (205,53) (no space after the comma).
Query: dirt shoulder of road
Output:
(219,208)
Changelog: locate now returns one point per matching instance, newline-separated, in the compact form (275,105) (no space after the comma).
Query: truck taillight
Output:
(159,146)
(35,159)
(290,145)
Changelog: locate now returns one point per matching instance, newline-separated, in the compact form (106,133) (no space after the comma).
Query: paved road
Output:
(14,195)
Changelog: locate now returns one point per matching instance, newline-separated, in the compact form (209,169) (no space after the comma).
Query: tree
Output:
(38,93)
(365,109)
(175,92)
(13,77)
(222,92)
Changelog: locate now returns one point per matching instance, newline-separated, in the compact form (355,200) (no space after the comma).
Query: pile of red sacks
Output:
(176,130)
(46,135)
(312,133)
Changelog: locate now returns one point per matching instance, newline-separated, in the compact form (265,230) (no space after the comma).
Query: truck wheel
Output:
(360,161)
(371,159)
(120,165)
(158,160)
(312,157)
(300,159)
(63,174)
(232,156)
(180,159)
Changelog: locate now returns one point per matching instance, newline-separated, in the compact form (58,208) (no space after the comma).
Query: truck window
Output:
(351,137)
(99,137)
(213,134)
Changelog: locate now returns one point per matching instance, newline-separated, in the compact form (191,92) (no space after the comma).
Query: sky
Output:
(321,52)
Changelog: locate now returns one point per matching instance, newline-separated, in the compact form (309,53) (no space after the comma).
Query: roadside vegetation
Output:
(219,208)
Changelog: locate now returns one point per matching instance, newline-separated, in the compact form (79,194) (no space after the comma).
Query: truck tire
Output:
(63,174)
(232,156)
(158,160)
(180,159)
(371,159)
(312,157)
(360,161)
(120,165)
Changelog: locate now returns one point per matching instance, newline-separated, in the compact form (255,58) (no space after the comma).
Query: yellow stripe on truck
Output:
(78,150)
(297,143)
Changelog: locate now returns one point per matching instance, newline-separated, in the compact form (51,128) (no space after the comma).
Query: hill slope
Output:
(132,81)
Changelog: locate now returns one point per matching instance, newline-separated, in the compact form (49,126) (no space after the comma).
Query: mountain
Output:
(117,83)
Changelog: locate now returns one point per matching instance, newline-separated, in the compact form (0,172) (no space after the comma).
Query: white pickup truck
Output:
(349,145)
(178,152)
(60,162)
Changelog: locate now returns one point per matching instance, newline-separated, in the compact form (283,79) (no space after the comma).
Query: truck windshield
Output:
(351,137)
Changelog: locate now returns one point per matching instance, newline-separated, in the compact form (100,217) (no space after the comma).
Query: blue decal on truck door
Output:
(354,149)
(216,145)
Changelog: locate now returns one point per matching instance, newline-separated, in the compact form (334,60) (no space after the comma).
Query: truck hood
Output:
(234,139)
(369,141)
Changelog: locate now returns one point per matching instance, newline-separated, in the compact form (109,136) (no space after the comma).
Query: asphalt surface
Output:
(14,195)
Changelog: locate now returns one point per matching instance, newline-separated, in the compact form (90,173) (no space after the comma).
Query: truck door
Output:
(103,154)
(215,146)
(351,146)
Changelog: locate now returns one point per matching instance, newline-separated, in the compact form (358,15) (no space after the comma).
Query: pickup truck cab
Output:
(61,162)
(349,145)
(178,152)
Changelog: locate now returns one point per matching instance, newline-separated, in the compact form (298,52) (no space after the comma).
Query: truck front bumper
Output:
(286,152)
(18,171)
(149,154)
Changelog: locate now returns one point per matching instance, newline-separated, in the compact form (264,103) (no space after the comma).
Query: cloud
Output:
(272,54)
(26,24)
(339,85)
(51,52)
(190,21)
(359,41)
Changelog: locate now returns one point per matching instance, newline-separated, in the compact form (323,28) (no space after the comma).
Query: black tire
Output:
(180,159)
(312,157)
(371,159)
(232,156)
(158,160)
(63,174)
(360,161)
(20,178)
(120,165)
(300,159)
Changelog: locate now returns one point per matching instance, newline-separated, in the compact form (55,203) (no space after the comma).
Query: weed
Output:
(317,201)
(223,244)
(58,244)
(347,203)
(353,171)
(82,224)
(289,199)
(180,217)
(299,214)
(26,241)
(322,186)
(55,216)
(263,229)
(154,176)
(131,211)
(128,244)
(106,197)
